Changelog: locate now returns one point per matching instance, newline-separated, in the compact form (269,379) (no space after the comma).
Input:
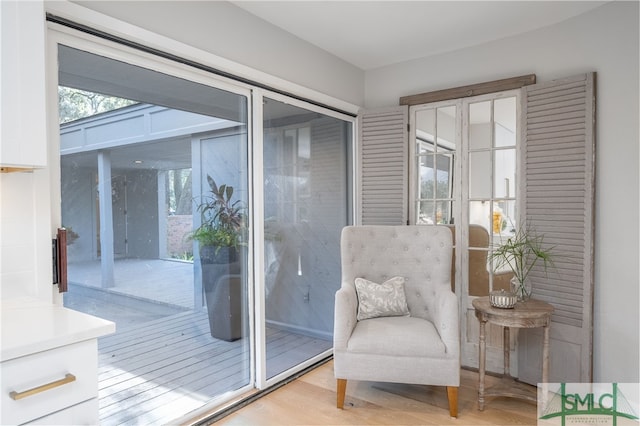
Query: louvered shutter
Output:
(383,166)
(558,201)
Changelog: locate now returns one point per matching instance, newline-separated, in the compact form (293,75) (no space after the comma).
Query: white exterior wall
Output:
(604,40)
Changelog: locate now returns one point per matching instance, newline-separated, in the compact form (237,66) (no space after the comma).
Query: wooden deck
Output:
(162,362)
(163,369)
(166,368)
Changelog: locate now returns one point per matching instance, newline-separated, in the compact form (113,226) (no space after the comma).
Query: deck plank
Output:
(191,387)
(167,367)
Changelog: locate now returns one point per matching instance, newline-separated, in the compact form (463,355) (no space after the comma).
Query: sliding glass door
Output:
(306,163)
(204,219)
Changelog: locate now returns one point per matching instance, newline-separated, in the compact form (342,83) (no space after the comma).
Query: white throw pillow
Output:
(381,300)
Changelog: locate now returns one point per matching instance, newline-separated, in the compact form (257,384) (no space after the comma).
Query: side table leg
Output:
(506,349)
(545,355)
(545,367)
(481,361)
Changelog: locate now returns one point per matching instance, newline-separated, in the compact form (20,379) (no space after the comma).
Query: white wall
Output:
(606,41)
(232,33)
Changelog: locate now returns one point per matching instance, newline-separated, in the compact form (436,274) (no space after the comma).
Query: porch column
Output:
(196,192)
(106,218)
(163,209)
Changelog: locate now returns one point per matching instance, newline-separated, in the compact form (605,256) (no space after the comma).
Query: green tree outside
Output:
(74,104)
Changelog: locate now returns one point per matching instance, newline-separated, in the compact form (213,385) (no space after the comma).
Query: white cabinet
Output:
(23,141)
(44,374)
(49,368)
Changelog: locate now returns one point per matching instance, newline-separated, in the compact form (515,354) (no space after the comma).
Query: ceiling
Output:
(372,34)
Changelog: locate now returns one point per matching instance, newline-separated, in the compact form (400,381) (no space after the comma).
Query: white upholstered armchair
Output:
(417,346)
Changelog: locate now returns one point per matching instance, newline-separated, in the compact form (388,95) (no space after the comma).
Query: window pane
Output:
(504,173)
(446,130)
(426,213)
(478,272)
(479,213)
(509,215)
(444,212)
(444,176)
(480,125)
(480,174)
(498,219)
(505,122)
(427,177)
(426,125)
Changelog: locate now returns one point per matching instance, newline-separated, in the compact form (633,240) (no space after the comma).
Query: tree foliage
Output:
(74,104)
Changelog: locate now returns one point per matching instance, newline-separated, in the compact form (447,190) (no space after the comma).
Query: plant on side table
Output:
(221,237)
(521,252)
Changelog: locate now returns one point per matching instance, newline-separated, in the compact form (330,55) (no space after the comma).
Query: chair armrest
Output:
(346,307)
(445,319)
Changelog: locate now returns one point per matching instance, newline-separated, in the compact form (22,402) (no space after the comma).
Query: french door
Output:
(464,169)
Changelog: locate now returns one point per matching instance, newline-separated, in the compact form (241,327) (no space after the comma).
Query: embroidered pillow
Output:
(381,300)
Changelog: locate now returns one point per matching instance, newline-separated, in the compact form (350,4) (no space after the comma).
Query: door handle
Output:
(68,378)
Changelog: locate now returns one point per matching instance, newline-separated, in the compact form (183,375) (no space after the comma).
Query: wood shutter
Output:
(383,166)
(558,164)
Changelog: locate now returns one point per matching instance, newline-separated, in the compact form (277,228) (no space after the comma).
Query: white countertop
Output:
(30,326)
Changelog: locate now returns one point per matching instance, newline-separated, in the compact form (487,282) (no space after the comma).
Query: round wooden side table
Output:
(530,314)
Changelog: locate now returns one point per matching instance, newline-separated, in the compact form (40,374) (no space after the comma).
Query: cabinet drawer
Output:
(85,413)
(35,371)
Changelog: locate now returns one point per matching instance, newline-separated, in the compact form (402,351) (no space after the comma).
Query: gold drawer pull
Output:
(68,378)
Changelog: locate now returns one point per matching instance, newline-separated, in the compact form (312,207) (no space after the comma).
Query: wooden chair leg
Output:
(341,391)
(452,395)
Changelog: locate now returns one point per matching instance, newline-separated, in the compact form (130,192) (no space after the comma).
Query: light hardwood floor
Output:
(311,399)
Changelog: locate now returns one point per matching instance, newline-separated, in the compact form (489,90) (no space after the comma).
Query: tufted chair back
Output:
(421,254)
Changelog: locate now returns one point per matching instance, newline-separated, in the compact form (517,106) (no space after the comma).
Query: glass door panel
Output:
(435,157)
(434,163)
(306,205)
(490,145)
(138,149)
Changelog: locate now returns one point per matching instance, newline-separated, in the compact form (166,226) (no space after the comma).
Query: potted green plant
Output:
(521,252)
(222,221)
(221,235)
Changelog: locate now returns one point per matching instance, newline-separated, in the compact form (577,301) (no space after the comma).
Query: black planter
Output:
(222,282)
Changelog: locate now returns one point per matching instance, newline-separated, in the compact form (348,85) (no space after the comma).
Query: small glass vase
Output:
(521,289)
